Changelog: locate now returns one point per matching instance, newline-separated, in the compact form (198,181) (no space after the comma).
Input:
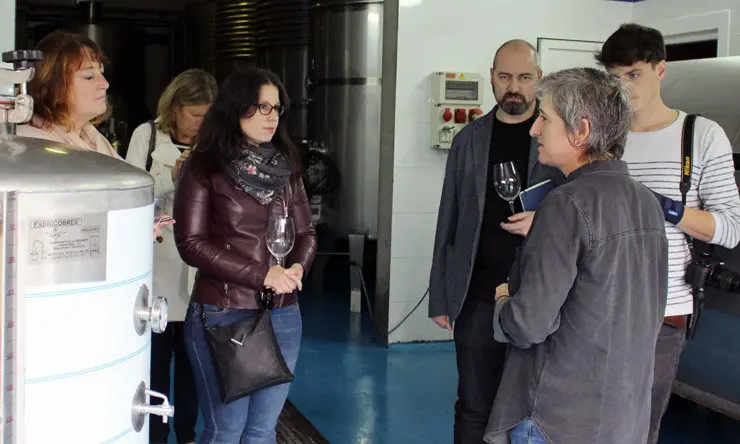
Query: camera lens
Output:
(725,280)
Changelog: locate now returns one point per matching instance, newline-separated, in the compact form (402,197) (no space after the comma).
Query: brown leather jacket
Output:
(221,231)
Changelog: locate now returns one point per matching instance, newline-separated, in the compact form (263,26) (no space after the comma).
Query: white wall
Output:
(7,35)
(7,25)
(684,16)
(455,35)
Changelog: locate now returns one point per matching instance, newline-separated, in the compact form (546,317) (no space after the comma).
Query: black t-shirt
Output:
(497,247)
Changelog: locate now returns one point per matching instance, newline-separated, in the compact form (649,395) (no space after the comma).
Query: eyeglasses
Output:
(266,109)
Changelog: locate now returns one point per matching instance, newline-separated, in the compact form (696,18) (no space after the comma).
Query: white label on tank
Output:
(67,249)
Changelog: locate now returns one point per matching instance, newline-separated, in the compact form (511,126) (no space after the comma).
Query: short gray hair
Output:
(597,96)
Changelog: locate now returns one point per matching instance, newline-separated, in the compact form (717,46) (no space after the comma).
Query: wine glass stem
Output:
(511,205)
(280,261)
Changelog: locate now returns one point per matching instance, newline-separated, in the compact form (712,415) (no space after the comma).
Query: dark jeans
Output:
(671,341)
(251,419)
(164,346)
(480,366)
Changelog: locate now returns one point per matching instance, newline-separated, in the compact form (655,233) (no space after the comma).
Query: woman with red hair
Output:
(69,93)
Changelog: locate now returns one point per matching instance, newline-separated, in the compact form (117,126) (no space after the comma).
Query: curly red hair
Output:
(64,54)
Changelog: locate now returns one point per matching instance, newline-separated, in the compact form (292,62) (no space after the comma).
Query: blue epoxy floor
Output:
(357,392)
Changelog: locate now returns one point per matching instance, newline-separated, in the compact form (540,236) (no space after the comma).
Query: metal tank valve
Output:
(17,109)
(140,408)
(144,314)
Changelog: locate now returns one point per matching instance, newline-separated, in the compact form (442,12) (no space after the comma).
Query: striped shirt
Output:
(654,159)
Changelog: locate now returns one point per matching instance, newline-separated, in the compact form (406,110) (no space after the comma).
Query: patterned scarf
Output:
(261,171)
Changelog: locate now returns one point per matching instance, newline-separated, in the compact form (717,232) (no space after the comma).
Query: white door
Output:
(557,54)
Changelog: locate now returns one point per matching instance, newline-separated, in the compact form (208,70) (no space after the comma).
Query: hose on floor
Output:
(370,307)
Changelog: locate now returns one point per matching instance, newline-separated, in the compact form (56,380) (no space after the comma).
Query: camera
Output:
(709,271)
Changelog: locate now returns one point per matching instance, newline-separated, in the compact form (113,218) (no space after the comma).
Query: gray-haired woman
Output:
(161,147)
(588,290)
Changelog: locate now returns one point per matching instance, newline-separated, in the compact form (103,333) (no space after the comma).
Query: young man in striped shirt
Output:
(653,153)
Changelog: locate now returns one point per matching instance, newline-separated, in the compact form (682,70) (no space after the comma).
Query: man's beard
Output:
(512,107)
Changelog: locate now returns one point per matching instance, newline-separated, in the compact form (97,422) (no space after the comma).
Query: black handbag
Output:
(246,354)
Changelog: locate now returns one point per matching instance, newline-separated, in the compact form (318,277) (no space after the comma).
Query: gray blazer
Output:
(461,213)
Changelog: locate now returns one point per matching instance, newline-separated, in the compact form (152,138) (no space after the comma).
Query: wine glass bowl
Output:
(280,237)
(506,182)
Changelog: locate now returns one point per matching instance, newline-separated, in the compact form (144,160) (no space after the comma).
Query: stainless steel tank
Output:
(284,42)
(200,35)
(76,266)
(236,36)
(345,83)
(124,46)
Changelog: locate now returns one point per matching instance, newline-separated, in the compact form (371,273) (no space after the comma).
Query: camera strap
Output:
(687,163)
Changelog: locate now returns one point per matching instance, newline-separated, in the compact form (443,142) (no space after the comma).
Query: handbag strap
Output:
(152,143)
(265,299)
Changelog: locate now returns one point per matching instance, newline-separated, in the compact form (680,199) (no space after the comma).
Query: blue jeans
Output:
(251,419)
(526,432)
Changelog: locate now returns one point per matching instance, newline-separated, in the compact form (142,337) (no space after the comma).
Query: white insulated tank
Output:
(76,244)
(77,258)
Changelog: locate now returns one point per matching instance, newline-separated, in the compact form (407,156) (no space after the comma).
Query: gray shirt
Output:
(588,296)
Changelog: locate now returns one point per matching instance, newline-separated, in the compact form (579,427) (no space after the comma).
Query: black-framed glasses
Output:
(266,109)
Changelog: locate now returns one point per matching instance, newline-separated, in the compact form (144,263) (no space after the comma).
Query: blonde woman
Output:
(160,147)
(69,93)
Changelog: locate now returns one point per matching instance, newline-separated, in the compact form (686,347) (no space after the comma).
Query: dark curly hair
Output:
(220,139)
(630,44)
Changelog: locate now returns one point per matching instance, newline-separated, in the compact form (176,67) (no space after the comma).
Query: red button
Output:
(474,113)
(460,116)
(447,115)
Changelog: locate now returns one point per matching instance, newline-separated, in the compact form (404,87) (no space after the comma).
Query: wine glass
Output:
(159,205)
(507,183)
(280,237)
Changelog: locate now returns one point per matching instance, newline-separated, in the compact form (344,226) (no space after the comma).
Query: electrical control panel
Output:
(456,101)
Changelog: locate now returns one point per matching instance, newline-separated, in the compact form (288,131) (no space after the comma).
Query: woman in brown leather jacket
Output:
(243,168)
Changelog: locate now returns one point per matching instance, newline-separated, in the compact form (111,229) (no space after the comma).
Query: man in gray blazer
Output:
(477,236)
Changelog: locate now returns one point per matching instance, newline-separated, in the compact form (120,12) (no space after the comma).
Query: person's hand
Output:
(159,223)
(177,169)
(519,223)
(502,291)
(295,270)
(443,322)
(279,281)
(157,233)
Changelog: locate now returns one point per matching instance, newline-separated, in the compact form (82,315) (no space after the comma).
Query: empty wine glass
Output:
(507,183)
(159,206)
(280,237)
